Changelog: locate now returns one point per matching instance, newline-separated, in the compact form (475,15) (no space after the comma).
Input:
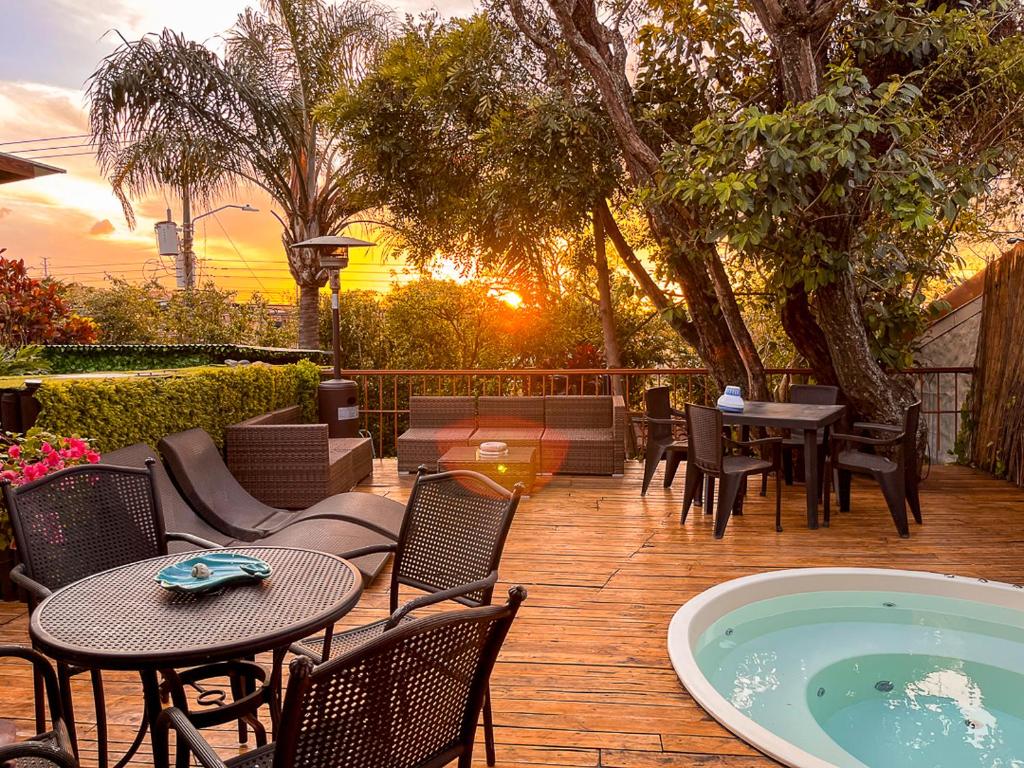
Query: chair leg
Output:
(489,728)
(40,700)
(238,692)
(709,495)
(737,508)
(787,465)
(896,497)
(691,486)
(778,500)
(843,491)
(651,461)
(729,490)
(826,495)
(100,700)
(671,467)
(764,484)
(67,704)
(914,500)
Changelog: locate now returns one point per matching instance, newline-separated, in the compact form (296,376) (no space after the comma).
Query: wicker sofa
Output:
(573,434)
(286,463)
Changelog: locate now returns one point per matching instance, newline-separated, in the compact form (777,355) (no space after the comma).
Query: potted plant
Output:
(25,458)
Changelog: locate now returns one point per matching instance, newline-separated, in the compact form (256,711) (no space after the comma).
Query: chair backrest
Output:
(209,487)
(659,406)
(440,412)
(292,414)
(813,394)
(704,432)
(911,422)
(83,520)
(178,516)
(454,533)
(578,412)
(407,699)
(510,411)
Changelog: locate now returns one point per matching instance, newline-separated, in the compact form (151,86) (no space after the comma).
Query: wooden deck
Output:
(584,679)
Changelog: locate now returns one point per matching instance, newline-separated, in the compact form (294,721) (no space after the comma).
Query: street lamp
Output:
(337,398)
(168,245)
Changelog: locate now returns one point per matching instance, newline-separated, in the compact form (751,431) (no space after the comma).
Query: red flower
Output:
(14,451)
(92,457)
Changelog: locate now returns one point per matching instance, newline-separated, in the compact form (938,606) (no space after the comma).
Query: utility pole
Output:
(188,257)
(46,267)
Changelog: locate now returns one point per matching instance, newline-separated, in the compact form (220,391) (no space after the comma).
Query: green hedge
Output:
(83,358)
(117,412)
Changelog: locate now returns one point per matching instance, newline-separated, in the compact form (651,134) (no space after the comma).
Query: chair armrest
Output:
(840,437)
(33,751)
(673,421)
(439,597)
(371,549)
(868,426)
(30,585)
(187,733)
(190,539)
(755,443)
(50,685)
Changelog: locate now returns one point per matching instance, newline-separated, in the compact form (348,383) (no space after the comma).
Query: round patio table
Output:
(122,619)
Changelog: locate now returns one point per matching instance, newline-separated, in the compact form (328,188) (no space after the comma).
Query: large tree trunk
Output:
(802,329)
(309,307)
(612,350)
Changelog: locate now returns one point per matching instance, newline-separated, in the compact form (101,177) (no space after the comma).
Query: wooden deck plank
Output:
(584,680)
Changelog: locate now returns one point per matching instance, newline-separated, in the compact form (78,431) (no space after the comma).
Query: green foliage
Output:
(23,361)
(364,341)
(116,412)
(127,313)
(34,311)
(139,357)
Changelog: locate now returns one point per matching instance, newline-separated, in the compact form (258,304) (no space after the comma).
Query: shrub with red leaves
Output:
(34,312)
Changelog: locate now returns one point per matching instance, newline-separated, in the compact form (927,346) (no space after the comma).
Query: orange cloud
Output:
(103,227)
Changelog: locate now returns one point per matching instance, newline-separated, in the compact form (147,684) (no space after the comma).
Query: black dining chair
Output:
(898,476)
(708,457)
(663,422)
(793,444)
(450,547)
(80,521)
(50,747)
(408,697)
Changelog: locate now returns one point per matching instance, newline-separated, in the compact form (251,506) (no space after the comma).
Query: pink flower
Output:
(53,458)
(92,457)
(77,444)
(34,471)
(14,451)
(46,448)
(9,474)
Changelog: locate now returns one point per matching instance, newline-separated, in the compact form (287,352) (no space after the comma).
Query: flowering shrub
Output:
(28,457)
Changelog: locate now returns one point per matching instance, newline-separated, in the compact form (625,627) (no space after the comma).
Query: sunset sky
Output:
(48,49)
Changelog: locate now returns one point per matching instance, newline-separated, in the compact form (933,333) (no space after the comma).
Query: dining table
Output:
(793,416)
(123,619)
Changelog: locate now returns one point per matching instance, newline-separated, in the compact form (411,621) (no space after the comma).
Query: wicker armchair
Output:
(450,548)
(76,522)
(663,441)
(517,421)
(435,425)
(584,435)
(410,698)
(707,456)
(51,748)
(286,463)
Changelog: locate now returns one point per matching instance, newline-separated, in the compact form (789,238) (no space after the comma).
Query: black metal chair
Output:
(898,476)
(450,547)
(806,394)
(409,697)
(77,522)
(662,422)
(708,457)
(50,747)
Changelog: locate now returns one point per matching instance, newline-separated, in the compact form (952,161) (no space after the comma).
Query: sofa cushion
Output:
(439,435)
(510,412)
(510,435)
(433,412)
(577,412)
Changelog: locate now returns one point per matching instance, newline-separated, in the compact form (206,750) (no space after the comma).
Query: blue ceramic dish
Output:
(223,567)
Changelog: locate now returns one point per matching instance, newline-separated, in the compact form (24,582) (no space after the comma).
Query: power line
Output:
(222,229)
(50,138)
(66,154)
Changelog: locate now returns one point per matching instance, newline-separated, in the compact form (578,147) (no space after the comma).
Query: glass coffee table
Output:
(519,465)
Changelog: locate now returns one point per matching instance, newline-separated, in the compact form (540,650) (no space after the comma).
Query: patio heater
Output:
(337,398)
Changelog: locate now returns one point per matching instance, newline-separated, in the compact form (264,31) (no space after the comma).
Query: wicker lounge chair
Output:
(286,463)
(584,435)
(410,697)
(80,521)
(517,421)
(450,548)
(205,480)
(435,425)
(707,456)
(50,747)
(330,536)
(897,476)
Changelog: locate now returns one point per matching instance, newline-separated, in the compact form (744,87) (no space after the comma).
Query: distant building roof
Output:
(970,289)
(13,168)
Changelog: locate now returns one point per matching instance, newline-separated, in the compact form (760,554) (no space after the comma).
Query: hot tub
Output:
(860,667)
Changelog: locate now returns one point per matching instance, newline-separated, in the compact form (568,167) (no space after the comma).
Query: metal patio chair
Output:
(50,748)
(897,476)
(409,697)
(450,548)
(708,456)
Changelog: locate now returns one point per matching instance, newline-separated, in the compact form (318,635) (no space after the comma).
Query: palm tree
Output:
(165,110)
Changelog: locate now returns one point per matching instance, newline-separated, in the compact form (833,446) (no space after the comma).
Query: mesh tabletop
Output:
(123,619)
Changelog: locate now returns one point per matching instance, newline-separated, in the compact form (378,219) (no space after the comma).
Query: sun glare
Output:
(511,298)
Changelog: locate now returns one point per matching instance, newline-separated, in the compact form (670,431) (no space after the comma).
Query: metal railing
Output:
(385,394)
